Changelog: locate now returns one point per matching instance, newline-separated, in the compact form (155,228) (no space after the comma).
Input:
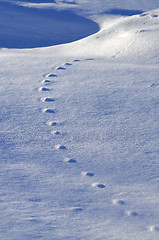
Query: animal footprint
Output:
(118,202)
(50,123)
(143,14)
(51,75)
(133,214)
(77,209)
(98,185)
(70,160)
(44,89)
(154,15)
(76,60)
(35,200)
(68,64)
(48,110)
(55,132)
(46,81)
(60,147)
(89,59)
(47,99)
(154,228)
(60,68)
(155,85)
(89,174)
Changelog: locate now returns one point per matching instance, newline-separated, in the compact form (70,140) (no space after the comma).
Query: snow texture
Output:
(79,133)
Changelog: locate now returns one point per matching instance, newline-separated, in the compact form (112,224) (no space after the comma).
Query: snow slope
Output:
(132,38)
(79,128)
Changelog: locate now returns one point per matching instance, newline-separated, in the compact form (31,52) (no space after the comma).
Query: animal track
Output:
(51,75)
(153,15)
(89,174)
(77,209)
(90,59)
(55,132)
(133,214)
(155,85)
(47,99)
(154,228)
(46,81)
(118,202)
(143,14)
(62,147)
(48,110)
(35,199)
(68,64)
(44,89)
(60,68)
(76,60)
(70,160)
(98,185)
(50,123)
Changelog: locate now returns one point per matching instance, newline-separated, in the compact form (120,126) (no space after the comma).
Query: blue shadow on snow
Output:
(123,12)
(23,27)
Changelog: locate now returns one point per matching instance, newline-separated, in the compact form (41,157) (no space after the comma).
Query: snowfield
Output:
(79,139)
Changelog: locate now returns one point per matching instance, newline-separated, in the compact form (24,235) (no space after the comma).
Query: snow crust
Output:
(79,133)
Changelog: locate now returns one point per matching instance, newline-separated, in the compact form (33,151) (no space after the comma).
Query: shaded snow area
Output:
(23,27)
(79,135)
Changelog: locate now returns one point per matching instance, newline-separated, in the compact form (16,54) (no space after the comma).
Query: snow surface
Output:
(79,140)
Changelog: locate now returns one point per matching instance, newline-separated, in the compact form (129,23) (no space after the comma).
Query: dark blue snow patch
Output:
(24,27)
(123,12)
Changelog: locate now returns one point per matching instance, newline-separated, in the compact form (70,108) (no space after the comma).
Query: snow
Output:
(23,27)
(79,120)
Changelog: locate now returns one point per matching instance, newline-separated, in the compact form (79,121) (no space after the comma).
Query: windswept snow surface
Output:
(79,140)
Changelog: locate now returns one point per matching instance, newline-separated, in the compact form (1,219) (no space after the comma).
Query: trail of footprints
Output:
(46,81)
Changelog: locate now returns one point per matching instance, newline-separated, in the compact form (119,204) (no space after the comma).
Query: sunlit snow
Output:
(79,139)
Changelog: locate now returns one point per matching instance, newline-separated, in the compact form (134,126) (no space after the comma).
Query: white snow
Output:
(79,139)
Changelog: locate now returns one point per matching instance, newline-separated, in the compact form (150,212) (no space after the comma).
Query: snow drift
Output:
(134,37)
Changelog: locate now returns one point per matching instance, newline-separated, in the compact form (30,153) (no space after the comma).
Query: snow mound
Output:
(133,36)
